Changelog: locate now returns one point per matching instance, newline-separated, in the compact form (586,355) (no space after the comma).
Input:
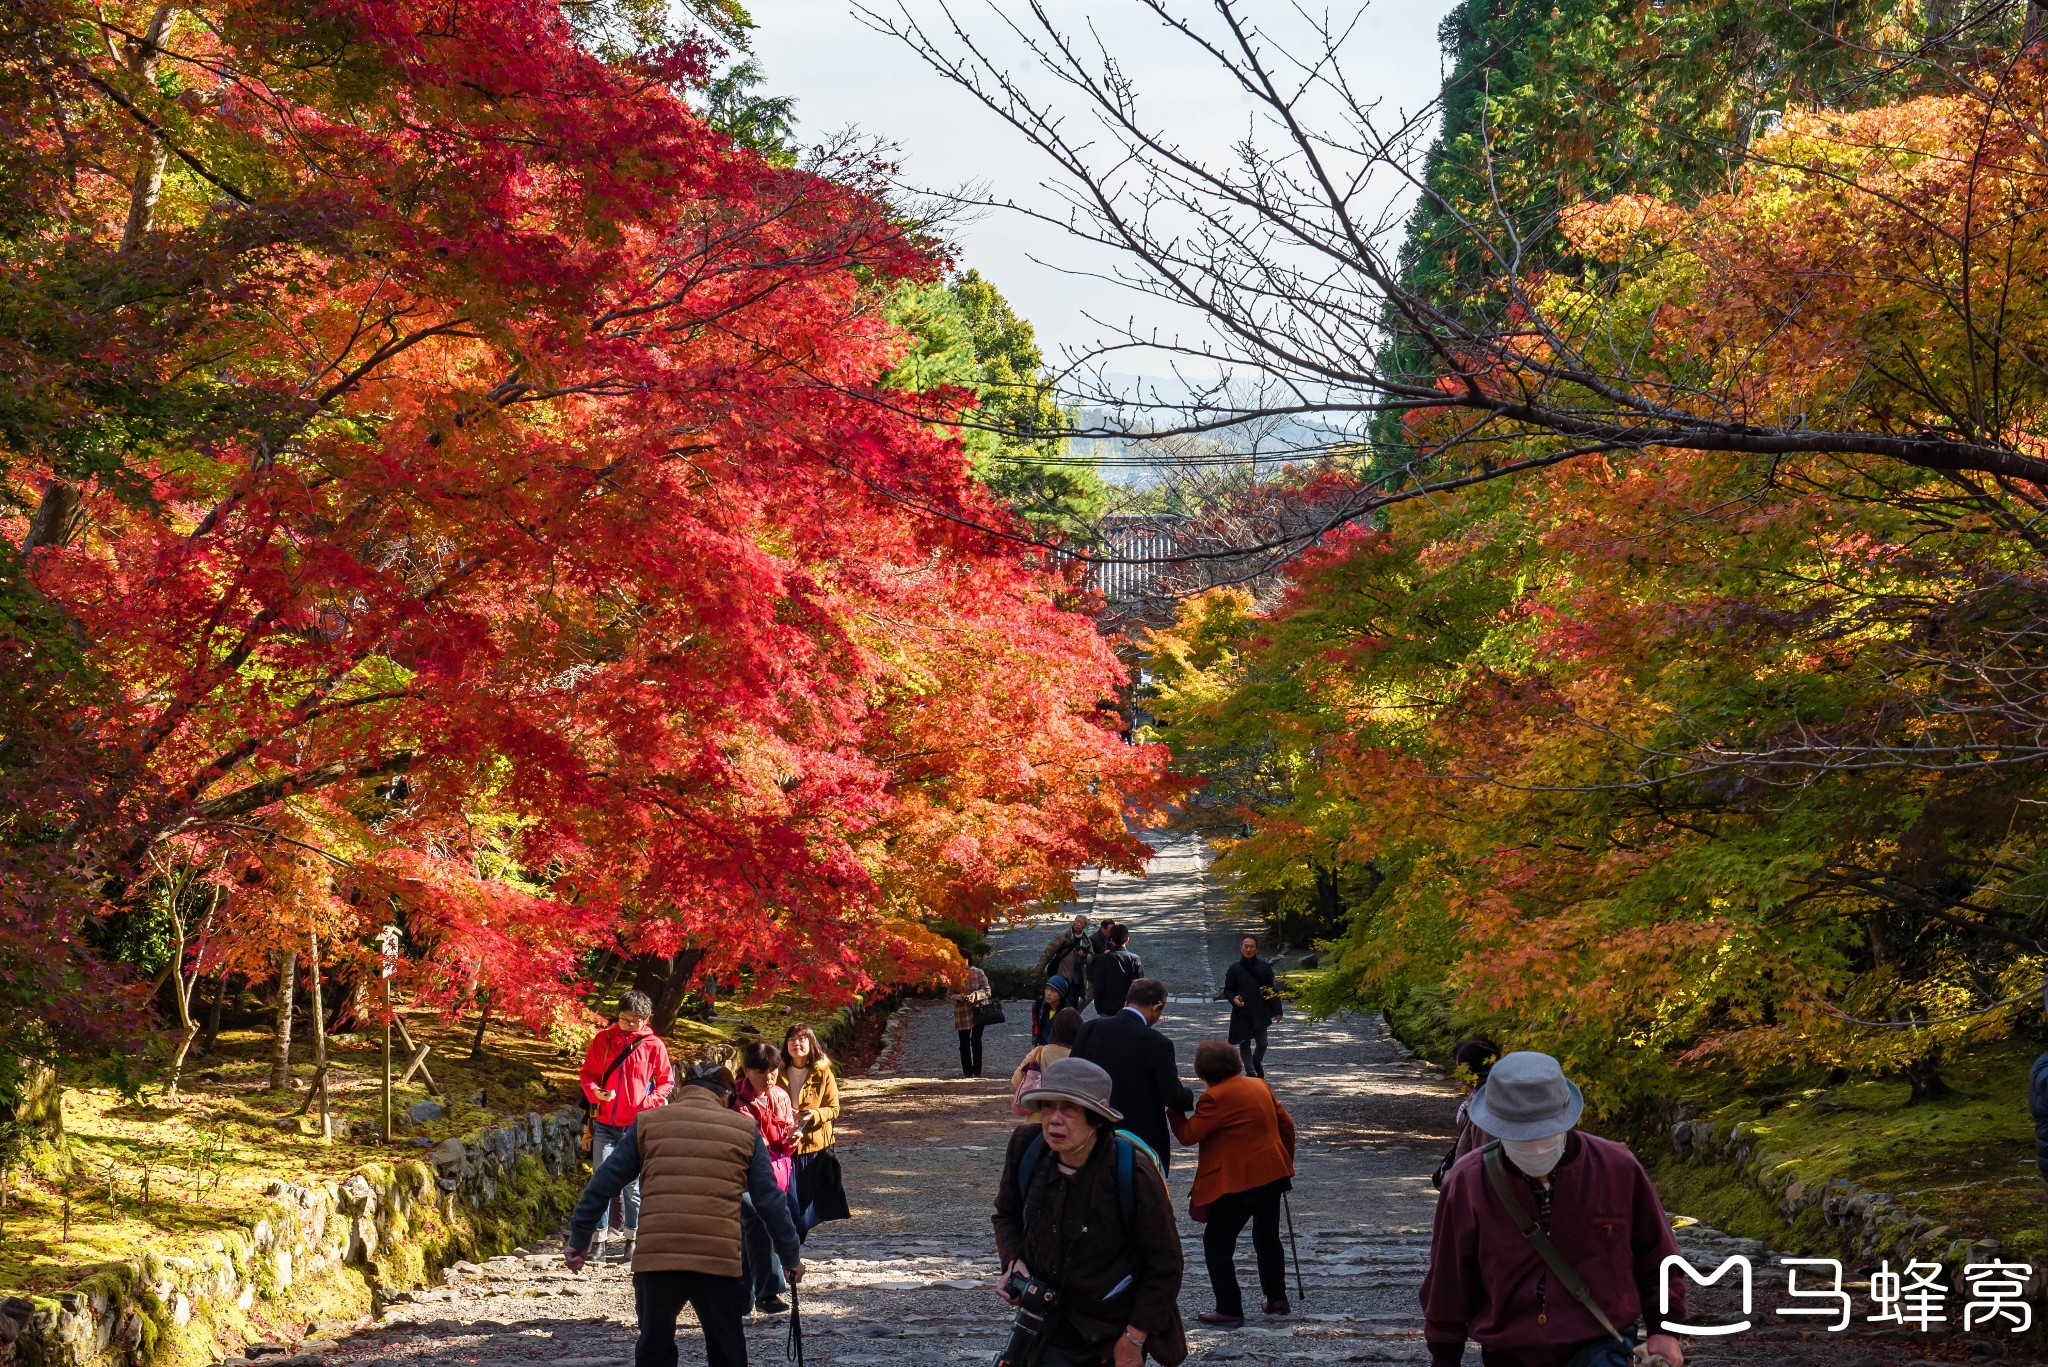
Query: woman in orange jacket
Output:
(1245,1163)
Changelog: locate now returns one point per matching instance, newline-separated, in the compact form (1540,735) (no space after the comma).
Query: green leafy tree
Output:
(966,336)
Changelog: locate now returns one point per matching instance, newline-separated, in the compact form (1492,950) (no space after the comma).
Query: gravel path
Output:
(909,1281)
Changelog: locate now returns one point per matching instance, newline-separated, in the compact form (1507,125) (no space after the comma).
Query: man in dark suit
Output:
(1143,1073)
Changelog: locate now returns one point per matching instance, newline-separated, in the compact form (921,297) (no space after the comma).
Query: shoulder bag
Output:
(1033,1074)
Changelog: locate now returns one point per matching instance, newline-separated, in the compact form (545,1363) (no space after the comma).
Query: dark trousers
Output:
(1253,1051)
(761,1269)
(970,1051)
(1228,1215)
(720,1303)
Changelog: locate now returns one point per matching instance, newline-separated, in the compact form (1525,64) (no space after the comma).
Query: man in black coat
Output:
(1143,1072)
(1115,971)
(1254,1004)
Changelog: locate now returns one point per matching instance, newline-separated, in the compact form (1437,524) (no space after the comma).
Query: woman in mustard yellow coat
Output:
(808,1076)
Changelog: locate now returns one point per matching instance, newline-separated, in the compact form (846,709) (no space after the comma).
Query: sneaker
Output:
(1278,1307)
(1220,1320)
(774,1305)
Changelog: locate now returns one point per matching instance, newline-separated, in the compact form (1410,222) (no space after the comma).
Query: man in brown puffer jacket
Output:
(693,1158)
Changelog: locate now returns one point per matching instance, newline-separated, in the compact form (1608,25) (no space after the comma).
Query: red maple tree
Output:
(436,440)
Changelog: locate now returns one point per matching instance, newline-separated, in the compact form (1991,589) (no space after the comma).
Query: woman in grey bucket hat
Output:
(1526,1096)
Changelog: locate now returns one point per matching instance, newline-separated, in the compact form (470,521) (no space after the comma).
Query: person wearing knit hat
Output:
(1543,1183)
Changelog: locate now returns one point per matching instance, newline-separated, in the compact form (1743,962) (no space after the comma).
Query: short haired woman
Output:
(1109,1246)
(1246,1163)
(808,1078)
(760,1096)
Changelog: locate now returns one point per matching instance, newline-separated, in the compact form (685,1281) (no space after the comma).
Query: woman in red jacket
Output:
(1245,1163)
(625,1071)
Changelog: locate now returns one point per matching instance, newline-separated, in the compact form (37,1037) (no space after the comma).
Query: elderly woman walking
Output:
(1245,1164)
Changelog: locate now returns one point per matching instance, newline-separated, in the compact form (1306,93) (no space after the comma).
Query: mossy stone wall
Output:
(311,1253)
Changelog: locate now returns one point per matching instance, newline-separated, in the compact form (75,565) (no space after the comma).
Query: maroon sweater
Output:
(1486,1283)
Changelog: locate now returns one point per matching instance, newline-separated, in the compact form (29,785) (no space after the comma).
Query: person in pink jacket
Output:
(625,1071)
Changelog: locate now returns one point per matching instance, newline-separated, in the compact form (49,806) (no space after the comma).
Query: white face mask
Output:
(1536,1157)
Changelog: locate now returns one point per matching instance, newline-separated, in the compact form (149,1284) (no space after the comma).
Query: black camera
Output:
(1035,1302)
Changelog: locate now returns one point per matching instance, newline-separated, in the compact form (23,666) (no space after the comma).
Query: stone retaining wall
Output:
(1866,1226)
(329,1247)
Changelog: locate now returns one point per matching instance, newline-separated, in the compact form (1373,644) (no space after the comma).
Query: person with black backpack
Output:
(625,1071)
(1086,1234)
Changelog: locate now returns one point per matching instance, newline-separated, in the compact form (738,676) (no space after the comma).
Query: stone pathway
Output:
(909,1282)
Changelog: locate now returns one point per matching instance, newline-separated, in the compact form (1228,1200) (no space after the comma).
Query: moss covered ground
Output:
(1965,1159)
(147,1175)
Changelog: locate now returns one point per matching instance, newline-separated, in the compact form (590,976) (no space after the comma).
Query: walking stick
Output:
(1300,1286)
(795,1351)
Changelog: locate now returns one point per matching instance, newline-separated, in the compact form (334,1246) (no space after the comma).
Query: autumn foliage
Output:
(445,493)
(1660,757)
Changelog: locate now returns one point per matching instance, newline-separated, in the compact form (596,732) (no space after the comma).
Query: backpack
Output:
(1127,1147)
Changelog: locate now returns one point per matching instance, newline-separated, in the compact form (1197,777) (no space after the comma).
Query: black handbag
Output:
(989,1012)
(820,1190)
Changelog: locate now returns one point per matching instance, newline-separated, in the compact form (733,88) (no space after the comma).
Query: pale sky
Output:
(844,73)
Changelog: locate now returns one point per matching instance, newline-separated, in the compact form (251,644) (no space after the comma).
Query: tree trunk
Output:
(149,169)
(1924,1078)
(1329,902)
(57,516)
(220,992)
(483,1020)
(316,1013)
(37,1113)
(2037,23)
(281,1051)
(183,984)
(666,982)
